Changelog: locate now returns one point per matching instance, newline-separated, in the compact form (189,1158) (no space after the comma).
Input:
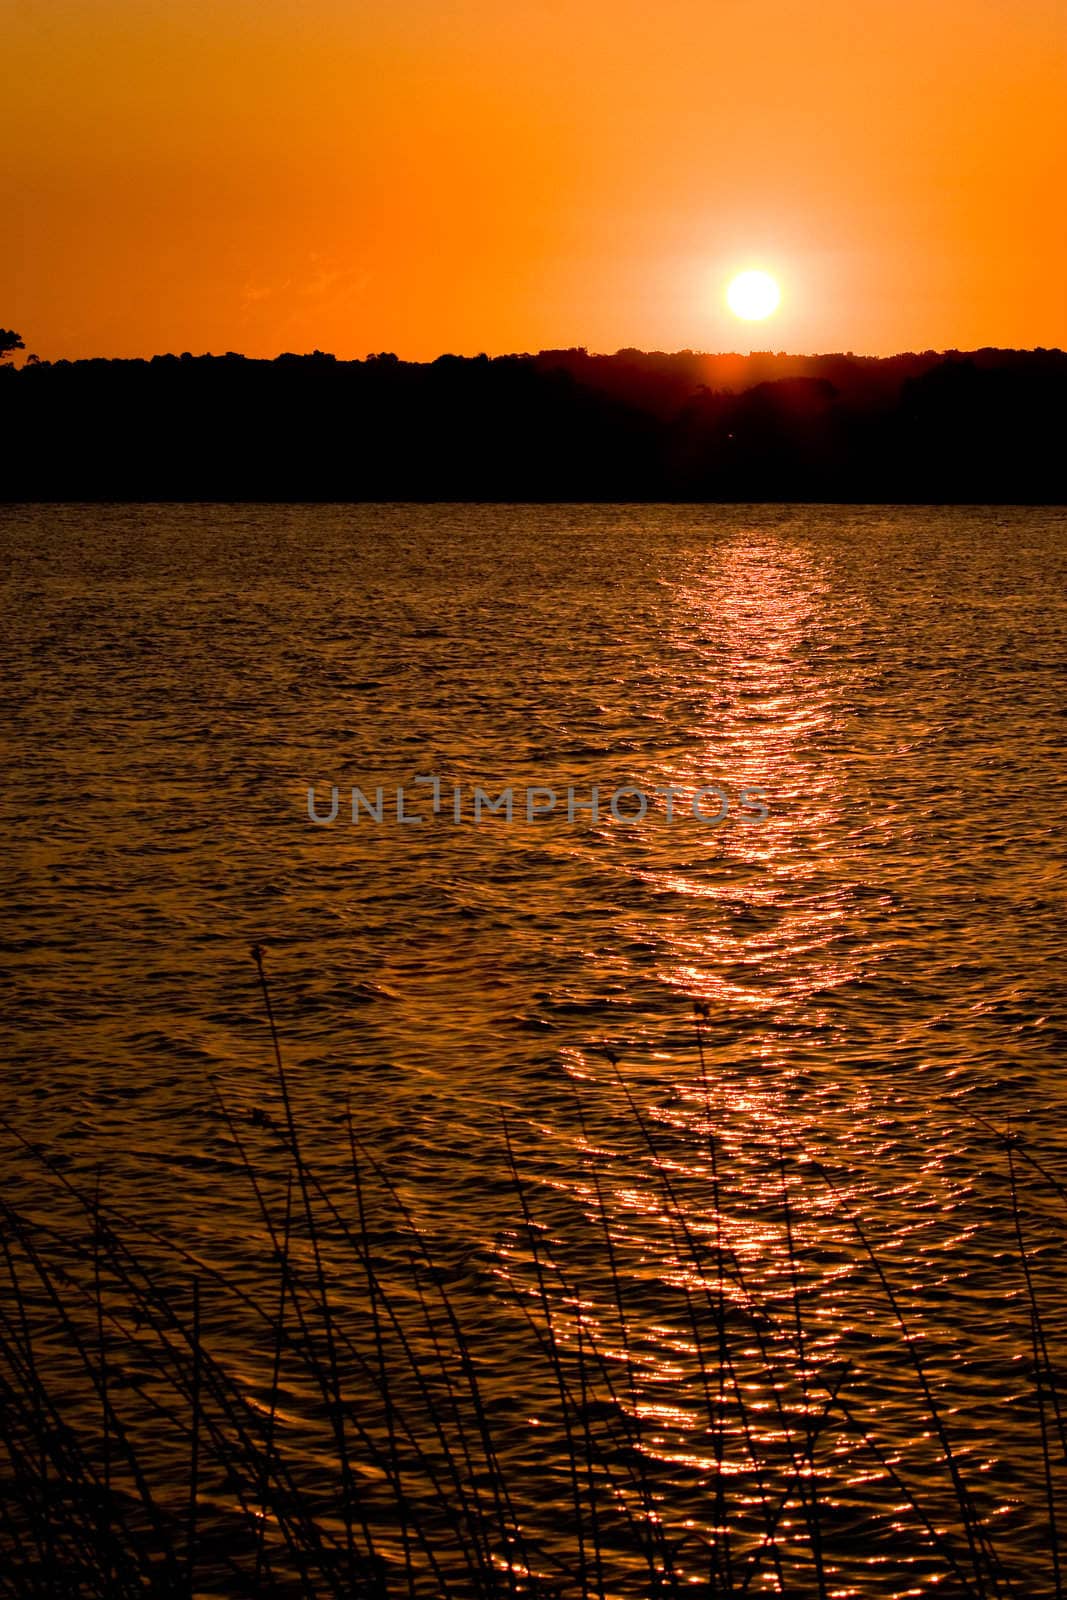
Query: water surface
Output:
(882,958)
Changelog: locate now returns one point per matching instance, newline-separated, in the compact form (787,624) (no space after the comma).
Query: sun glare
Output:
(753,295)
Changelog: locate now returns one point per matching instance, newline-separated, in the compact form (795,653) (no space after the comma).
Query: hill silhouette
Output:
(979,426)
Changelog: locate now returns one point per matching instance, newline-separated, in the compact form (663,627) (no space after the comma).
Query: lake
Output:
(845,988)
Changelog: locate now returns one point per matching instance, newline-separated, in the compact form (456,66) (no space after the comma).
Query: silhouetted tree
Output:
(10,341)
(559,425)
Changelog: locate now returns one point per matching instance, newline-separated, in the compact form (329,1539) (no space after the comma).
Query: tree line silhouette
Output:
(979,426)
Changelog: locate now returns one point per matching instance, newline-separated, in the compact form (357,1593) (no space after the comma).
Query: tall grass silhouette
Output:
(389,1421)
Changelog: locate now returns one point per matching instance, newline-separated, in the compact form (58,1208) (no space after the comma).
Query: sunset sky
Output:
(466,175)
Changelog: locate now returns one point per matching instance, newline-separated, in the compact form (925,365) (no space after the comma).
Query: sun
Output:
(753,295)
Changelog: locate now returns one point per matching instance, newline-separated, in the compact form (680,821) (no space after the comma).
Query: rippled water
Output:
(882,958)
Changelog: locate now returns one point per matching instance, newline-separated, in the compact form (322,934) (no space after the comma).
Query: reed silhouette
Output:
(362,1443)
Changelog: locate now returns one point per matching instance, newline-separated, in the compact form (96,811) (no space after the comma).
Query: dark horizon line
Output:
(562,425)
(31,358)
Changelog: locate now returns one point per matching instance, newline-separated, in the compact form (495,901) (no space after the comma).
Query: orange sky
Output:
(466,175)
